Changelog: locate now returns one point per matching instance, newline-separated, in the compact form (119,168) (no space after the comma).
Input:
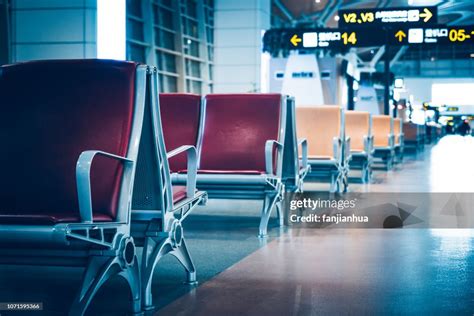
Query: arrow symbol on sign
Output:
(400,35)
(295,40)
(426,14)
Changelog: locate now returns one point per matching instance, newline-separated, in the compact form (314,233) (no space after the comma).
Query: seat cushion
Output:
(47,219)
(179,193)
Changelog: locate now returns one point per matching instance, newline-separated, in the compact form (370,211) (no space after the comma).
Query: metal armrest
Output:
(83,179)
(391,140)
(337,147)
(269,145)
(191,167)
(347,148)
(304,151)
(368,144)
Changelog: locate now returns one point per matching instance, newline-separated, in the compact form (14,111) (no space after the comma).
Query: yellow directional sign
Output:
(295,40)
(427,15)
(400,35)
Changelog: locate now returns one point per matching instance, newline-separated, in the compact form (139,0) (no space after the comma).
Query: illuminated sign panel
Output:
(441,35)
(340,39)
(409,15)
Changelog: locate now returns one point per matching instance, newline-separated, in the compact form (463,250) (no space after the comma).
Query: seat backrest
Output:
(152,190)
(236,129)
(411,131)
(181,120)
(358,126)
(52,111)
(382,127)
(397,129)
(319,125)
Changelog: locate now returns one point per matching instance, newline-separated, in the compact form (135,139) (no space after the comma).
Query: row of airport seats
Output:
(246,144)
(415,137)
(100,164)
(86,178)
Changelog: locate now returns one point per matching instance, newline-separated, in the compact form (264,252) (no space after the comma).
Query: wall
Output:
(238,44)
(49,29)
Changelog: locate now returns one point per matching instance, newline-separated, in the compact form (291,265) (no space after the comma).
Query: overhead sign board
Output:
(294,39)
(388,16)
(441,35)
(340,39)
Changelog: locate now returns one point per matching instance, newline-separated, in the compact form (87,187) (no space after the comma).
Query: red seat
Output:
(179,193)
(236,129)
(180,117)
(52,111)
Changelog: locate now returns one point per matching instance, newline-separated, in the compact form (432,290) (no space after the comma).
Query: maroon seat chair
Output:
(70,131)
(181,119)
(241,146)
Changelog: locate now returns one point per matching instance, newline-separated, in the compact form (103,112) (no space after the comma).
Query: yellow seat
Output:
(382,129)
(358,128)
(320,125)
(323,128)
(397,130)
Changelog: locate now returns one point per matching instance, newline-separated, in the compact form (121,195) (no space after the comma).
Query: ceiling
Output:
(323,12)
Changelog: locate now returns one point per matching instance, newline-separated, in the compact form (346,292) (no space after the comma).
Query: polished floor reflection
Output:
(358,271)
(345,272)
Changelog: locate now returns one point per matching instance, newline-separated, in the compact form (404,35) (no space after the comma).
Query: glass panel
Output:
(210,52)
(168,83)
(191,8)
(168,3)
(135,30)
(191,47)
(190,27)
(134,7)
(193,86)
(210,35)
(164,39)
(166,62)
(136,53)
(193,68)
(163,17)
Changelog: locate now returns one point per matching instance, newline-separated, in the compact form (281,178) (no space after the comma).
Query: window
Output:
(169,36)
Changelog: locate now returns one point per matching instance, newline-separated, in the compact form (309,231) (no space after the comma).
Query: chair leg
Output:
(268,204)
(153,251)
(132,275)
(182,254)
(279,212)
(98,271)
(333,188)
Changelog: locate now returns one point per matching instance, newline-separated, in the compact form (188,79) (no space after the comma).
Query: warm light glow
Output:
(111,29)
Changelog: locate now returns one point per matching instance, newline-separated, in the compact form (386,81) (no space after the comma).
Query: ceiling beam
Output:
(398,55)
(284,10)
